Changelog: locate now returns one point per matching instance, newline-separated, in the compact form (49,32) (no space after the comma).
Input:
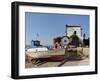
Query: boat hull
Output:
(46,54)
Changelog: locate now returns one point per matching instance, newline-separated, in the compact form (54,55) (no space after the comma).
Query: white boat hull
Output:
(45,54)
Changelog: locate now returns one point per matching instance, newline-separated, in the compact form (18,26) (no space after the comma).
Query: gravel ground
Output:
(55,64)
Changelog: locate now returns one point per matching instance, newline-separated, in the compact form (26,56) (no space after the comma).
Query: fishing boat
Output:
(39,51)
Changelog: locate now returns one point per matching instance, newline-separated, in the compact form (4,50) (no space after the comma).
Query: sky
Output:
(46,26)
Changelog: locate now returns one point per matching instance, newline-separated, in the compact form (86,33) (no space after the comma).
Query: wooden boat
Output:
(46,54)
